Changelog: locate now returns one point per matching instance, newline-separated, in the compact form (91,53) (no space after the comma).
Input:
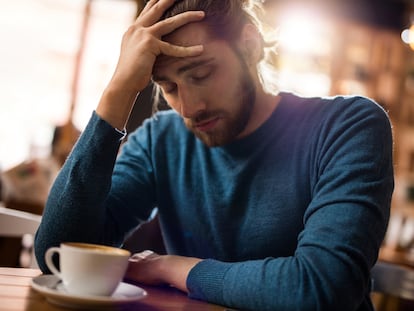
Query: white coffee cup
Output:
(89,269)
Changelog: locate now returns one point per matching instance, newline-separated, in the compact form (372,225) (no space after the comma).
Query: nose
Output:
(190,102)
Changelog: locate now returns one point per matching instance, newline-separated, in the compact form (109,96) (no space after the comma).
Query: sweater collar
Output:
(259,137)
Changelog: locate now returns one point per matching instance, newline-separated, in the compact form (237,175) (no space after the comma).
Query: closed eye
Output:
(201,73)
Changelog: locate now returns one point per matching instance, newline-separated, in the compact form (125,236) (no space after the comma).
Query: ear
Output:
(251,44)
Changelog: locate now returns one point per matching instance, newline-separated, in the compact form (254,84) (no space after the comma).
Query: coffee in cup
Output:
(89,269)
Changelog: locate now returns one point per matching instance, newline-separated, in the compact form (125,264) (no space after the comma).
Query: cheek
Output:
(224,87)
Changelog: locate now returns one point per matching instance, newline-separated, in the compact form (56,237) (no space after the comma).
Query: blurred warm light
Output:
(39,41)
(408,36)
(307,84)
(303,31)
(305,37)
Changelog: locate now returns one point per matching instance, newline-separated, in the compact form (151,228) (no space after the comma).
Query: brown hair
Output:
(225,20)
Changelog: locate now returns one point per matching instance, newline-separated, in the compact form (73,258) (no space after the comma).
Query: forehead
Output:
(188,35)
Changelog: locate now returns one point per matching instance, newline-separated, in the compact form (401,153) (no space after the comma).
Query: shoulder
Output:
(360,112)
(354,122)
(165,118)
(343,103)
(347,109)
(352,107)
(161,123)
(356,113)
(163,128)
(332,102)
(323,122)
(358,104)
(333,112)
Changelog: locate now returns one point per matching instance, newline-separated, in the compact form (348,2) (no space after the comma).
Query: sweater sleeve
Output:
(83,199)
(344,225)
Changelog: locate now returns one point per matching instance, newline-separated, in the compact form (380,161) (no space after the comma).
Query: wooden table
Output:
(16,294)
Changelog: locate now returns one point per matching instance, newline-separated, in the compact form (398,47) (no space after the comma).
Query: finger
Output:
(170,24)
(153,11)
(148,6)
(142,256)
(180,51)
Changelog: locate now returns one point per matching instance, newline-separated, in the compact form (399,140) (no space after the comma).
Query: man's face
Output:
(213,92)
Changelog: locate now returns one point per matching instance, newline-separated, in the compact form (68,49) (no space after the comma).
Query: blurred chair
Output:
(19,224)
(148,236)
(394,285)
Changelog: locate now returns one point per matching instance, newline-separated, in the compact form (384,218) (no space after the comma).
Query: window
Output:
(40,41)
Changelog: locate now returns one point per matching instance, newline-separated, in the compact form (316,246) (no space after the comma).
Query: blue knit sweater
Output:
(289,218)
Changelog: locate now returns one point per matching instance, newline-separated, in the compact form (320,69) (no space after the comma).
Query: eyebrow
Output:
(185,68)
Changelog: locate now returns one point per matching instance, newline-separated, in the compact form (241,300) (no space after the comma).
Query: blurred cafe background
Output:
(56,57)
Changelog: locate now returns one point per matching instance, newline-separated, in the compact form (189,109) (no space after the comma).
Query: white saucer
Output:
(55,293)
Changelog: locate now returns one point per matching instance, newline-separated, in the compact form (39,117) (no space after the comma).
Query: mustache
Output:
(203,116)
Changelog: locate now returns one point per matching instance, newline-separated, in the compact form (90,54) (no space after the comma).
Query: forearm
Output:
(150,268)
(74,210)
(116,105)
(141,44)
(288,283)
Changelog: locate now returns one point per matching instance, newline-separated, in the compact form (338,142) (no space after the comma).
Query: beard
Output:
(231,124)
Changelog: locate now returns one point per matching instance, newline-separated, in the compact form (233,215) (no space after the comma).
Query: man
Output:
(267,201)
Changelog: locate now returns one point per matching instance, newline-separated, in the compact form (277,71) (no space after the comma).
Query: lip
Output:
(207,125)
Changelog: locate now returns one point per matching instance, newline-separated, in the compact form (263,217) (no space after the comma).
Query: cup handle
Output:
(49,261)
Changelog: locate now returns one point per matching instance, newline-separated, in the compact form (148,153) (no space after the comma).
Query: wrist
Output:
(115,106)
(175,270)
